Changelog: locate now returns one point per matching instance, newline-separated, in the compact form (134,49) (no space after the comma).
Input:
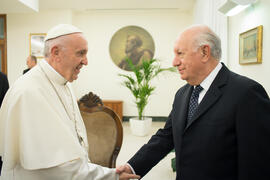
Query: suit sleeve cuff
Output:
(131,168)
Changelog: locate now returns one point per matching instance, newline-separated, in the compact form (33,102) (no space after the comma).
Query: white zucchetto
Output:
(60,30)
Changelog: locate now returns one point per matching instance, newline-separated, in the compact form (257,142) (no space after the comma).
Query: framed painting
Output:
(37,44)
(250,46)
(131,42)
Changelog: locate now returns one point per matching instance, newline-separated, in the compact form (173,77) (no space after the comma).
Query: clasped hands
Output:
(125,173)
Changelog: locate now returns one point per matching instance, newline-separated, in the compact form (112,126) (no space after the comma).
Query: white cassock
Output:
(42,134)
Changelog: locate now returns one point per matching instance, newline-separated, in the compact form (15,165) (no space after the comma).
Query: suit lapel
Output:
(212,95)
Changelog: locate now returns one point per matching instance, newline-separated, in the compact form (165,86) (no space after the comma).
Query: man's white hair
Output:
(52,42)
(211,39)
(207,37)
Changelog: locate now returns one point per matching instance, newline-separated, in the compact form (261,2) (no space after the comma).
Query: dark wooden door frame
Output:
(3,44)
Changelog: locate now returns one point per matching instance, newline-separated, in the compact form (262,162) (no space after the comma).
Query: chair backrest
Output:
(104,130)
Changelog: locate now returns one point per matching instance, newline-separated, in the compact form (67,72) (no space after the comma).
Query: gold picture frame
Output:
(37,44)
(250,46)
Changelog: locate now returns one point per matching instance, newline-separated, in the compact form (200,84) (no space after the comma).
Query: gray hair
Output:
(209,38)
(47,49)
(52,42)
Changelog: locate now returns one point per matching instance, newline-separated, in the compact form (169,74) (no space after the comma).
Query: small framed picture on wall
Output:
(37,44)
(250,46)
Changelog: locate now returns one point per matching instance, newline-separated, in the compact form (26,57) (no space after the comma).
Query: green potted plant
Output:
(139,83)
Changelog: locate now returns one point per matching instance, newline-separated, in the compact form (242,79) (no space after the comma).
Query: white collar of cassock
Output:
(52,73)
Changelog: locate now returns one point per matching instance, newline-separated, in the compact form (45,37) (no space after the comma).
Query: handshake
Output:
(125,173)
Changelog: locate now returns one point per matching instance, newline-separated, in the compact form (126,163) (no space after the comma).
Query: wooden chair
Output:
(104,130)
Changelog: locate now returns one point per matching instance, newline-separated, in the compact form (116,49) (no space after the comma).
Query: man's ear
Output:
(55,52)
(206,52)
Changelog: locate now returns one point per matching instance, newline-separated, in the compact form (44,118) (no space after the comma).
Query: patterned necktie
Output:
(193,103)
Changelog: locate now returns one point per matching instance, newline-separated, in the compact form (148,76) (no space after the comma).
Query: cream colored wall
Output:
(256,15)
(206,12)
(100,76)
(19,26)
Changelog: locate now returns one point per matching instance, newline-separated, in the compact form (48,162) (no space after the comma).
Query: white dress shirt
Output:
(206,83)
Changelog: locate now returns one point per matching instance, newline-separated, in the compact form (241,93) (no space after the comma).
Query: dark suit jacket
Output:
(3,86)
(228,138)
(26,70)
(3,89)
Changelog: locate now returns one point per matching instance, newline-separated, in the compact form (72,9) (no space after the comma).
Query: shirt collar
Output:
(206,83)
(52,73)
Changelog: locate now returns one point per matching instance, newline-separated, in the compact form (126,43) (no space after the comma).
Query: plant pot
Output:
(140,127)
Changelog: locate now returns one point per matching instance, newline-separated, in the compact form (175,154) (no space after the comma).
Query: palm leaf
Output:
(140,83)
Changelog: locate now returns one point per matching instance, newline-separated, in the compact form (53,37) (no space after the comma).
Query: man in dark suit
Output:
(219,132)
(3,89)
(31,61)
(3,86)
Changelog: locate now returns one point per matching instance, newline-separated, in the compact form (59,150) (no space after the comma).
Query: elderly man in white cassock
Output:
(42,135)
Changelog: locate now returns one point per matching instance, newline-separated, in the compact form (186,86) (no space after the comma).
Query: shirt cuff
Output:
(131,168)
